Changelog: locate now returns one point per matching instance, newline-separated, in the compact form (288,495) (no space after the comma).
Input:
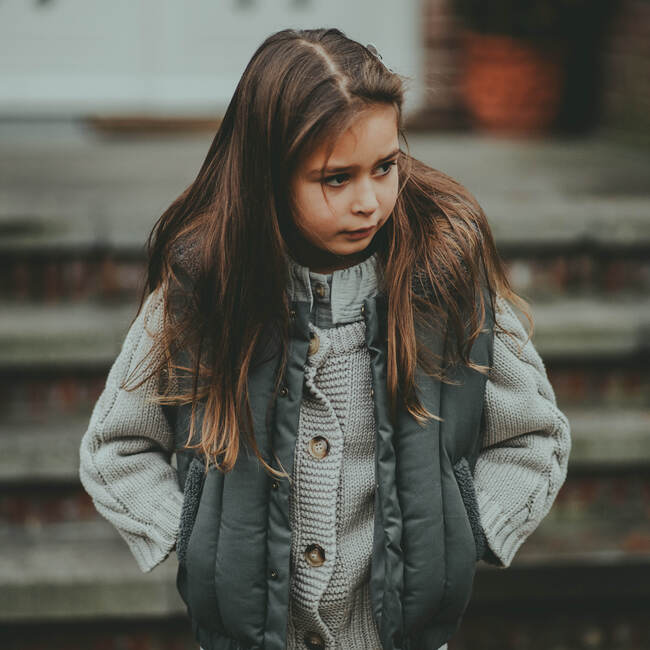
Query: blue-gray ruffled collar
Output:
(334,298)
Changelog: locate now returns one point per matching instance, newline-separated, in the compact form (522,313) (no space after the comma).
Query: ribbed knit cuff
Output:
(503,537)
(152,550)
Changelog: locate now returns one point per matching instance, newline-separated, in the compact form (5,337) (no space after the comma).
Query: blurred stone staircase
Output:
(572,219)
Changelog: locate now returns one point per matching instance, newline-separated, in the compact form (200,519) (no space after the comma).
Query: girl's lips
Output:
(358,234)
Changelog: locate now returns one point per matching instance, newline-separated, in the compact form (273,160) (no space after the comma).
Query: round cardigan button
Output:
(314,343)
(313,641)
(319,447)
(315,555)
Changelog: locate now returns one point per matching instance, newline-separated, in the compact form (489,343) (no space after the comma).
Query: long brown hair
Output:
(218,252)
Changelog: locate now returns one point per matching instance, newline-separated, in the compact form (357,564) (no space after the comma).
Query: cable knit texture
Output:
(527,442)
(125,454)
(124,458)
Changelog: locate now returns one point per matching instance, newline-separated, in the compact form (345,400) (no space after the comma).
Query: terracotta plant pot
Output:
(510,86)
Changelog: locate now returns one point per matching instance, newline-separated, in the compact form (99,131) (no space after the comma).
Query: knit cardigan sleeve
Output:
(524,459)
(124,457)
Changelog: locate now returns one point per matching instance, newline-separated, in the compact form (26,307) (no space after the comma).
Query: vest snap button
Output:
(314,343)
(284,391)
(274,573)
(363,309)
(319,289)
(292,314)
(315,555)
(275,485)
(372,392)
(319,447)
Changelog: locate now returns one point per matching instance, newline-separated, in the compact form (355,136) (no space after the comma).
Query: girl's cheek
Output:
(389,198)
(339,204)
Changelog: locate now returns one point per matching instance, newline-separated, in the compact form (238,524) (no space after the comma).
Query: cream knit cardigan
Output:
(125,456)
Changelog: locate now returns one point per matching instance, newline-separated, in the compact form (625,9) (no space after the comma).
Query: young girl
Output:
(327,348)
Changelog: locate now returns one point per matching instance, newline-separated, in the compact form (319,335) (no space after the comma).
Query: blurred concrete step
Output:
(600,515)
(592,547)
(54,361)
(101,273)
(48,452)
(577,273)
(77,571)
(592,328)
(157,633)
(85,335)
(41,394)
(80,571)
(572,585)
(581,554)
(609,437)
(72,192)
(45,394)
(42,452)
(595,519)
(60,276)
(600,383)
(594,624)
(76,209)
(81,335)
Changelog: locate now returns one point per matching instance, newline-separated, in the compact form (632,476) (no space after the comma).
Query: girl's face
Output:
(359,191)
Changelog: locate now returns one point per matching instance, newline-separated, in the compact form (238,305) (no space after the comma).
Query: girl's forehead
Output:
(373,133)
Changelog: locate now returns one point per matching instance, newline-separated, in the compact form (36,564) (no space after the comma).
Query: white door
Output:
(72,57)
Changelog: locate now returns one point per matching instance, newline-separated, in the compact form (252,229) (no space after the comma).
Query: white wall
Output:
(72,57)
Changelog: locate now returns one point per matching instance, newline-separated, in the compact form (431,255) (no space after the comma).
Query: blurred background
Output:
(540,107)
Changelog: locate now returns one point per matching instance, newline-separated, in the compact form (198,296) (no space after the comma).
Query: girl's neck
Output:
(322,261)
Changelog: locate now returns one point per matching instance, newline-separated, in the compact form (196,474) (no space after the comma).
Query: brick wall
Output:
(608,69)
(627,70)
(442,106)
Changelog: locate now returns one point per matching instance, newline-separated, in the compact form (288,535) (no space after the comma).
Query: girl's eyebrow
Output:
(333,170)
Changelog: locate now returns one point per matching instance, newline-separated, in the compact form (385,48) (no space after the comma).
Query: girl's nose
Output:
(365,199)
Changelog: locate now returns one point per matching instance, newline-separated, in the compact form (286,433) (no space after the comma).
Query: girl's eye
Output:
(336,177)
(388,164)
(343,177)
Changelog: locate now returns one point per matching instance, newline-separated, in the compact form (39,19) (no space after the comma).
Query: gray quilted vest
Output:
(234,538)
